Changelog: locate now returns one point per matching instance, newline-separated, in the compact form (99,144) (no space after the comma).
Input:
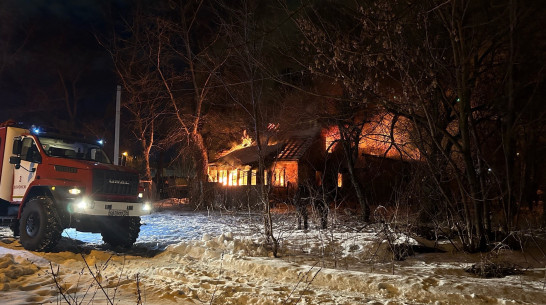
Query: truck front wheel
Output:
(39,227)
(121,231)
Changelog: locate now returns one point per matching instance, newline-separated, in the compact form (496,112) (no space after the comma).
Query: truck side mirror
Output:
(17,146)
(16,161)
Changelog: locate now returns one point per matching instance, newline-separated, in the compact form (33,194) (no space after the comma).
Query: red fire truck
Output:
(53,181)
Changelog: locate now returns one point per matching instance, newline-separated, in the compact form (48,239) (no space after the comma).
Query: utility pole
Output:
(116,136)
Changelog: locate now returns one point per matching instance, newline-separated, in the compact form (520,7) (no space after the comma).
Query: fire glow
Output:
(246,141)
(376,139)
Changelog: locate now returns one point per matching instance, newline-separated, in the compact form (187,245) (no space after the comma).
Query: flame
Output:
(232,178)
(273,127)
(331,136)
(246,141)
(376,139)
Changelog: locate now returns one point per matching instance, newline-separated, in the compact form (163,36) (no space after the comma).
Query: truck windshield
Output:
(57,147)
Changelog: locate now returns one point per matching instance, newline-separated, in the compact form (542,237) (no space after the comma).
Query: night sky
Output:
(42,41)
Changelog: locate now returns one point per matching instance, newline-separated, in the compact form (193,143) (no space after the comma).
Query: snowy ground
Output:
(199,258)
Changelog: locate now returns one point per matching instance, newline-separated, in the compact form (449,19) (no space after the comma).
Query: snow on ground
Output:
(184,257)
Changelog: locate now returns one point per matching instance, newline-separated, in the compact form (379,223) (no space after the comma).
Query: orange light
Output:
(332,136)
(222,177)
(376,138)
(246,141)
(232,179)
(253,177)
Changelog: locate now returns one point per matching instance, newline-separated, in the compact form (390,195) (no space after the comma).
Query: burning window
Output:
(223,177)
(232,180)
(279,178)
(253,178)
(243,178)
(339,179)
(213,175)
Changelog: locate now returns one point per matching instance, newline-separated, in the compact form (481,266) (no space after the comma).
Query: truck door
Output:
(26,173)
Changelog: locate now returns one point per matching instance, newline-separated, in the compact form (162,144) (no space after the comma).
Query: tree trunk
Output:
(148,172)
(348,152)
(473,182)
(543,214)
(264,197)
(362,201)
(200,159)
(146,148)
(508,138)
(463,63)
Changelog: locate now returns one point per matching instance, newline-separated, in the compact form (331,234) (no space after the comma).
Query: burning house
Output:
(314,157)
(287,161)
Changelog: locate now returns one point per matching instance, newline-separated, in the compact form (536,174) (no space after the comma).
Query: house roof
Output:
(292,148)
(248,155)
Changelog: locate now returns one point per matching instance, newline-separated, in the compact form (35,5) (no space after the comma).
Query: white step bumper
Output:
(109,208)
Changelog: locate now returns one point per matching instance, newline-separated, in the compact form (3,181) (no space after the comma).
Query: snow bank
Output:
(11,271)
(427,283)
(21,281)
(223,260)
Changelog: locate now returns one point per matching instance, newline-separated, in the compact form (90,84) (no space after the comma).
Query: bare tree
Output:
(167,66)
(188,39)
(247,81)
(12,42)
(69,86)
(134,60)
(443,66)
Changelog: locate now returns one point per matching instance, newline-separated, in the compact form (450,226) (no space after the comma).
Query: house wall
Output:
(290,171)
(312,164)
(239,197)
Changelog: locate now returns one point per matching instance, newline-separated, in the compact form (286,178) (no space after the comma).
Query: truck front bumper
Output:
(109,208)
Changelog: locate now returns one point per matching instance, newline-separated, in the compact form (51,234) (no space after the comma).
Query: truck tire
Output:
(121,231)
(39,226)
(14,226)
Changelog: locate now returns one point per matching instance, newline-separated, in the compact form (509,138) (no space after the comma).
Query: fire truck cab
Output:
(50,182)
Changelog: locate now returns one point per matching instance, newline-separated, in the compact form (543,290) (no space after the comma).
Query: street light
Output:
(124,158)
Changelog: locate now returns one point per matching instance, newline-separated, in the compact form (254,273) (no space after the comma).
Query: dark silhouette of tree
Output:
(173,42)
(134,59)
(246,80)
(448,67)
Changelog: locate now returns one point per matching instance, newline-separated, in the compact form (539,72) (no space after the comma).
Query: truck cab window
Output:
(73,149)
(98,155)
(30,152)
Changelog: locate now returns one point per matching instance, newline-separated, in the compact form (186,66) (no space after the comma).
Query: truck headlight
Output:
(147,207)
(84,204)
(140,195)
